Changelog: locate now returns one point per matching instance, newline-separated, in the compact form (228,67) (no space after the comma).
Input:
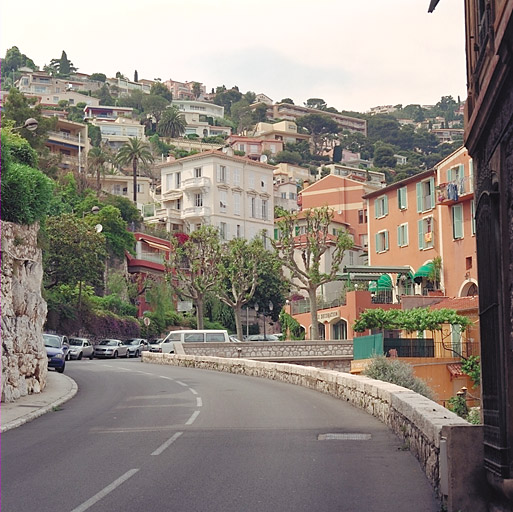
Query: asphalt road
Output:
(142,437)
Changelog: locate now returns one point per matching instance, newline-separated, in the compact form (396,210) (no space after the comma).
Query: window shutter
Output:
(218,174)
(376,213)
(419,197)
(457,222)
(276,233)
(385,205)
(432,192)
(227,175)
(386,241)
(405,234)
(421,234)
(399,236)
(376,239)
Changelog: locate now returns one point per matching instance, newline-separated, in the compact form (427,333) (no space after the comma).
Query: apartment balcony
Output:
(196,212)
(201,183)
(454,191)
(65,138)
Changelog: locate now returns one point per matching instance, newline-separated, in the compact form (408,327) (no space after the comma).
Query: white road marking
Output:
(193,391)
(199,402)
(97,497)
(191,420)
(168,443)
(182,383)
(167,378)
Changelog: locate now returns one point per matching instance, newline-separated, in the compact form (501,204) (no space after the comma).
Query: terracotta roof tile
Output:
(458,303)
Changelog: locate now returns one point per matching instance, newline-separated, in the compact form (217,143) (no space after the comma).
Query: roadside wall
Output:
(23,357)
(415,419)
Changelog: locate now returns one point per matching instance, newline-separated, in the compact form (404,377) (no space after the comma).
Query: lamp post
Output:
(256,311)
(30,124)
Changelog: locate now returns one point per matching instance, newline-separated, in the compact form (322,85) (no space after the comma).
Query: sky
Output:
(354,54)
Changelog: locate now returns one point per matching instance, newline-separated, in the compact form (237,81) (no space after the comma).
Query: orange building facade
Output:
(427,216)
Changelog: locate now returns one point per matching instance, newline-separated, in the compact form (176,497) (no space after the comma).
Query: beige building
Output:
(123,185)
(284,131)
(232,193)
(199,116)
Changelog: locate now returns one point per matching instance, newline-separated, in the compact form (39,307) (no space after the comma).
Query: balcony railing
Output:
(196,212)
(427,347)
(66,137)
(303,306)
(451,192)
(196,183)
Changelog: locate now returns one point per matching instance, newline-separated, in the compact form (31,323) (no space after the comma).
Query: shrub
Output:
(397,372)
(26,194)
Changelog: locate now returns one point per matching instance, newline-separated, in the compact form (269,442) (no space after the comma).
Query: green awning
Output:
(373,285)
(423,271)
(384,283)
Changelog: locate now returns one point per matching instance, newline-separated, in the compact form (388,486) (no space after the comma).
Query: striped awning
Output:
(384,283)
(373,286)
(423,271)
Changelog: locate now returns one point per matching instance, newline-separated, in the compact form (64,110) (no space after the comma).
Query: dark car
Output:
(136,346)
(58,340)
(55,354)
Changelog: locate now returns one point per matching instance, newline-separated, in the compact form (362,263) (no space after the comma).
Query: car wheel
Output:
(61,369)
(79,356)
(136,353)
(91,357)
(127,354)
(115,355)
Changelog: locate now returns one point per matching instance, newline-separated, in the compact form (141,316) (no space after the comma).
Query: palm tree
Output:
(97,157)
(172,123)
(135,151)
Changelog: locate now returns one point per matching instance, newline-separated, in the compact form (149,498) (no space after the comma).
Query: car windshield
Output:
(52,341)
(108,342)
(131,342)
(76,342)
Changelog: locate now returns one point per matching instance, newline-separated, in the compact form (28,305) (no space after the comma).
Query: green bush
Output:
(26,194)
(397,372)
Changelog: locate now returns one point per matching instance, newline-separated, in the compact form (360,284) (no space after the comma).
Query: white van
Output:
(190,336)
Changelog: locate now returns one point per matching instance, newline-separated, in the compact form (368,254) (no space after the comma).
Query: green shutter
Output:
(376,213)
(405,234)
(419,197)
(276,233)
(421,234)
(457,221)
(376,240)
(386,240)
(399,236)
(385,205)
(432,191)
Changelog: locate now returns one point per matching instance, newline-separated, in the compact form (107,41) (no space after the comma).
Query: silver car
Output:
(136,346)
(156,345)
(79,348)
(110,348)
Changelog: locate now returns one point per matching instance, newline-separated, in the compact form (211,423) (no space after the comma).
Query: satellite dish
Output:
(98,228)
(263,159)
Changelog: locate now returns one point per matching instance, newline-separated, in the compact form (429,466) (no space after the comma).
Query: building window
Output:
(222,174)
(197,172)
(362,216)
(264,209)
(236,177)
(178,179)
(251,181)
(236,204)
(253,207)
(381,207)
(426,195)
(284,195)
(351,258)
(456,338)
(382,241)
(238,231)
(198,200)
(402,203)
(402,235)
(364,241)
(263,182)
(222,201)
(222,230)
(140,188)
(178,204)
(426,235)
(292,196)
(457,221)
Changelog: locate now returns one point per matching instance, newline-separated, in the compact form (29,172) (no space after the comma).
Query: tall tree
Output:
(134,151)
(302,254)
(320,126)
(196,90)
(172,123)
(317,103)
(154,105)
(160,89)
(194,267)
(62,67)
(97,158)
(239,275)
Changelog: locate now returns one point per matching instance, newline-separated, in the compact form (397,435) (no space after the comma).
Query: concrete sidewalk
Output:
(59,389)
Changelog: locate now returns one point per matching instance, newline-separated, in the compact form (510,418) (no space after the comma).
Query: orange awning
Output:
(155,245)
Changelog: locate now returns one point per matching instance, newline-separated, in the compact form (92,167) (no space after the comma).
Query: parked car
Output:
(79,348)
(111,348)
(261,337)
(58,340)
(155,345)
(234,339)
(55,353)
(135,346)
(193,336)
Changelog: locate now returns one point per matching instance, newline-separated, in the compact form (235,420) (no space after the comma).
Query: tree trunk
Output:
(199,312)
(134,167)
(238,321)
(312,295)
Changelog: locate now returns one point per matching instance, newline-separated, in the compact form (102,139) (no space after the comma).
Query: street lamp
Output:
(30,124)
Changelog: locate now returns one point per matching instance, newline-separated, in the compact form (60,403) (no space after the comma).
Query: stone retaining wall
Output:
(415,419)
(24,361)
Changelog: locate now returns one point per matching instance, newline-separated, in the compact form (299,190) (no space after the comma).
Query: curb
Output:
(68,395)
